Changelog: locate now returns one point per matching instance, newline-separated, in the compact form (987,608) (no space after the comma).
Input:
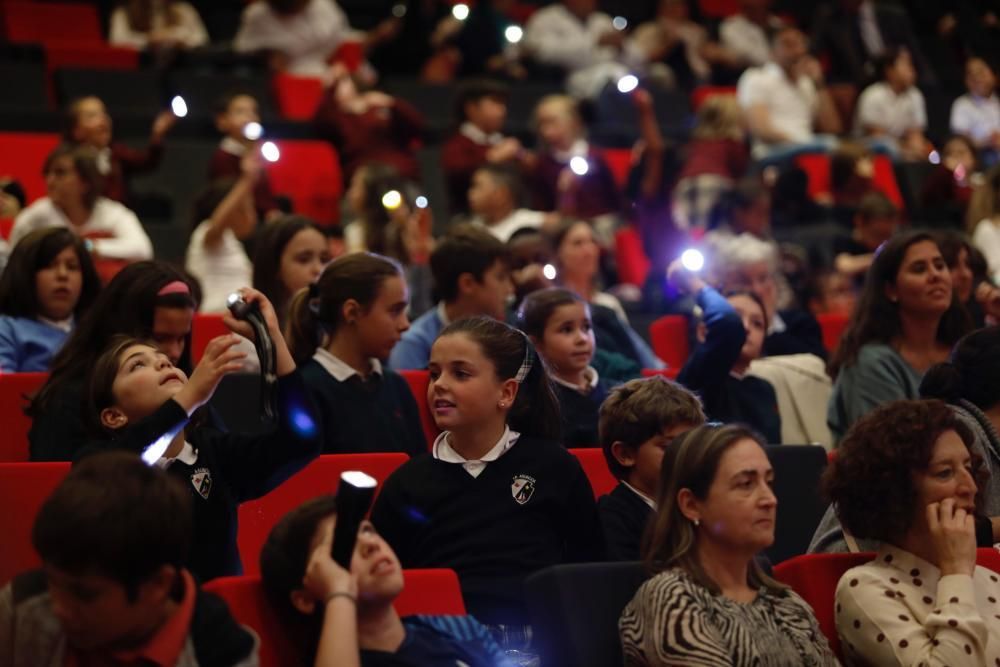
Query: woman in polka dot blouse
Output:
(905,475)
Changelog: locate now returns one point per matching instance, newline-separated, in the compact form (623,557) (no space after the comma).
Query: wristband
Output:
(339,594)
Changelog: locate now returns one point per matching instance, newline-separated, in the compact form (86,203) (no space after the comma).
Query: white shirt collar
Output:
(590,375)
(777,325)
(646,499)
(340,370)
(442,315)
(188,455)
(104,160)
(63,325)
(232,146)
(443,451)
(472,132)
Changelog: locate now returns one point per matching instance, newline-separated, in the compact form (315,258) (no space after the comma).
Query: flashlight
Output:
(619,23)
(239,307)
(354,496)
(628,83)
(579,166)
(549,271)
(253,131)
(399,10)
(934,157)
(421,201)
(270,151)
(392,199)
(513,34)
(692,260)
(460,11)
(179,106)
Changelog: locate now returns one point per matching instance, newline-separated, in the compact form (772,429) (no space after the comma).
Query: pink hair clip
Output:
(176,287)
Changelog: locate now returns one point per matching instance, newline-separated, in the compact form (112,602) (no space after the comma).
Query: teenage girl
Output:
(340,330)
(290,253)
(498,497)
(558,323)
(138,400)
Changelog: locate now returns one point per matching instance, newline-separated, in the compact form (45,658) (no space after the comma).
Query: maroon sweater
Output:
(460,157)
(719,157)
(226,165)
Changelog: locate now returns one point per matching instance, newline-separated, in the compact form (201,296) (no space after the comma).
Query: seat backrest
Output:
(202,89)
(51,21)
(817,168)
(309,173)
(257,517)
(23,489)
(14,387)
(29,80)
(832,325)
(574,611)
(23,157)
(989,558)
(297,96)
(124,92)
(593,463)
(797,471)
(669,373)
(418,381)
(249,606)
(430,592)
(718,9)
(630,257)
(815,577)
(205,327)
(89,55)
(884,179)
(668,335)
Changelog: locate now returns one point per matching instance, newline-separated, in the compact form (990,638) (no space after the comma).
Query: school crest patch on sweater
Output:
(201,479)
(523,488)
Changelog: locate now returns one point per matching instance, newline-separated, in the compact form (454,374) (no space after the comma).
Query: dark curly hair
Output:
(871,480)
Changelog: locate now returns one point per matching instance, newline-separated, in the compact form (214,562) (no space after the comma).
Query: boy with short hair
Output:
(876,220)
(637,422)
(471,272)
(495,200)
(233,112)
(113,538)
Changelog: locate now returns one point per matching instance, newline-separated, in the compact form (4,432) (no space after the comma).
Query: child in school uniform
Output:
(637,422)
(139,401)
(341,329)
(498,497)
(731,335)
(558,323)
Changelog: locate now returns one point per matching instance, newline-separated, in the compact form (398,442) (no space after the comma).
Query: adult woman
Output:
(291,253)
(969,277)
(906,476)
(48,285)
(142,24)
(710,603)
(74,185)
(150,300)
(906,321)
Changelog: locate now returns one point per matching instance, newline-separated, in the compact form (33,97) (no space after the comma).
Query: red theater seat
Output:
(817,168)
(619,161)
(884,179)
(6,224)
(670,373)
(418,381)
(320,477)
(23,489)
(630,257)
(45,22)
(718,9)
(88,55)
(297,96)
(22,157)
(204,328)
(668,336)
(432,592)
(308,172)
(832,325)
(14,387)
(593,463)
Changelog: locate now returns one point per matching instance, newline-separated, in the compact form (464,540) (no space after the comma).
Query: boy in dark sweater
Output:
(113,538)
(637,422)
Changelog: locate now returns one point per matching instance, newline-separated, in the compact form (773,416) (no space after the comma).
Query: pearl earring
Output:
(696,522)
(502,404)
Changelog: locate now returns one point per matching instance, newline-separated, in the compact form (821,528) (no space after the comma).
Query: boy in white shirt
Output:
(892,112)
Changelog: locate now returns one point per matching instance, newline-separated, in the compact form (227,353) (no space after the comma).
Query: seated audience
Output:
(747,35)
(146,24)
(907,476)
(225,216)
(88,124)
(74,183)
(346,617)
(558,323)
(947,191)
(498,497)
(341,330)
(147,300)
(716,160)
(233,112)
(983,220)
(638,422)
(481,111)
(852,167)
(977,113)
(730,337)
(49,284)
(368,126)
(290,254)
(875,222)
(786,99)
(710,602)
(829,291)
(113,538)
(969,278)
(891,113)
(496,198)
(471,272)
(907,320)
(139,401)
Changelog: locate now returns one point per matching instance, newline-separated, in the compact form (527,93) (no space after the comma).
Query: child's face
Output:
(961,277)
(374,563)
(579,253)
(755,323)
(490,294)
(484,193)
(558,128)
(759,279)
(171,327)
(979,78)
(145,380)
(303,259)
(487,113)
(63,183)
(902,73)
(242,109)
(646,460)
(93,124)
(567,344)
(876,231)
(464,391)
(381,326)
(957,154)
(95,612)
(58,285)
(838,295)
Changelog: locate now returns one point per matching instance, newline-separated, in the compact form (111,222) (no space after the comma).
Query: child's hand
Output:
(643,100)
(324,576)
(218,361)
(686,281)
(164,121)
(251,165)
(250,295)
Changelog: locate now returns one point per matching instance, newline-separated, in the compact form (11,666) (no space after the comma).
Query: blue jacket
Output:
(27,346)
(413,351)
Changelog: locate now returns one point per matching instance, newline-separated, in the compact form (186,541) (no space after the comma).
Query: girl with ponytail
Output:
(969,383)
(499,497)
(339,330)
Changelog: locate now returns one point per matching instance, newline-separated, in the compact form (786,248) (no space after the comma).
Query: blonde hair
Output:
(719,117)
